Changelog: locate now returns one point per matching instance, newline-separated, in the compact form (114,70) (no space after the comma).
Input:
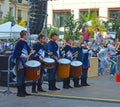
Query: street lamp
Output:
(12,24)
(28,20)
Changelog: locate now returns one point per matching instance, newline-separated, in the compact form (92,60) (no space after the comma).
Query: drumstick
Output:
(75,53)
(30,54)
(55,57)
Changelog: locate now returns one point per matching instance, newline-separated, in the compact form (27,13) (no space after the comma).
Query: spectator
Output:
(99,38)
(86,34)
(1,46)
(8,45)
(96,32)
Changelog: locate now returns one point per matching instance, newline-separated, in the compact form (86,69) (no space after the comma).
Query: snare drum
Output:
(76,69)
(48,63)
(63,70)
(32,68)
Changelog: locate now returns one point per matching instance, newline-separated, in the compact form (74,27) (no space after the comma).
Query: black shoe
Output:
(34,88)
(20,92)
(52,89)
(87,84)
(27,94)
(24,90)
(65,87)
(34,91)
(83,82)
(77,86)
(20,95)
(41,90)
(56,88)
(70,86)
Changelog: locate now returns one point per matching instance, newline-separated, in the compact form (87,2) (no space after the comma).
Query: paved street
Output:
(103,92)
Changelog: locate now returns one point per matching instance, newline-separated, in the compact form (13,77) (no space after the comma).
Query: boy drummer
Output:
(39,55)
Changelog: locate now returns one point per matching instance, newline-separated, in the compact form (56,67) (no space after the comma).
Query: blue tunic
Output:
(68,52)
(53,47)
(86,62)
(80,53)
(39,50)
(20,53)
(21,47)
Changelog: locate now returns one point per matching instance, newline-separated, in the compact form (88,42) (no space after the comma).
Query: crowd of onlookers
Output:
(106,48)
(6,45)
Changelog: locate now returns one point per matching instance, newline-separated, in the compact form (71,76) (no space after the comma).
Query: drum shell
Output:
(75,71)
(32,73)
(48,65)
(63,70)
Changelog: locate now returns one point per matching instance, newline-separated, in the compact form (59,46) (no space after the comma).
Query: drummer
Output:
(79,57)
(39,55)
(53,52)
(67,53)
(86,64)
(21,54)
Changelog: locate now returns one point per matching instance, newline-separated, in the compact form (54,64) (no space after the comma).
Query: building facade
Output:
(58,10)
(18,8)
(4,8)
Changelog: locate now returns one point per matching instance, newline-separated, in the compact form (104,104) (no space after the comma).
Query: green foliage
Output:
(52,29)
(1,21)
(87,17)
(70,24)
(113,26)
(8,17)
(72,27)
(96,23)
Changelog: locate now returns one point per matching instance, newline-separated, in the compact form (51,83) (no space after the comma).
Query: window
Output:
(19,1)
(11,10)
(1,12)
(85,11)
(19,15)
(59,17)
(114,13)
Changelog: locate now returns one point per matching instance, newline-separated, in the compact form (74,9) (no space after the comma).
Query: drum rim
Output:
(64,63)
(49,62)
(76,65)
(33,66)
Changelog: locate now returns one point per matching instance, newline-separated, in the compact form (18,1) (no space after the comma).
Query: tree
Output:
(8,17)
(52,29)
(96,23)
(72,27)
(113,26)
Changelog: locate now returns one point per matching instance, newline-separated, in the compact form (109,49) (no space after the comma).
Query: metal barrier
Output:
(8,78)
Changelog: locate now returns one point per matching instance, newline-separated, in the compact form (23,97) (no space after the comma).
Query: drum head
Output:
(64,61)
(76,63)
(32,63)
(48,60)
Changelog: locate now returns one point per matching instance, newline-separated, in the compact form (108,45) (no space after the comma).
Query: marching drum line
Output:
(65,69)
